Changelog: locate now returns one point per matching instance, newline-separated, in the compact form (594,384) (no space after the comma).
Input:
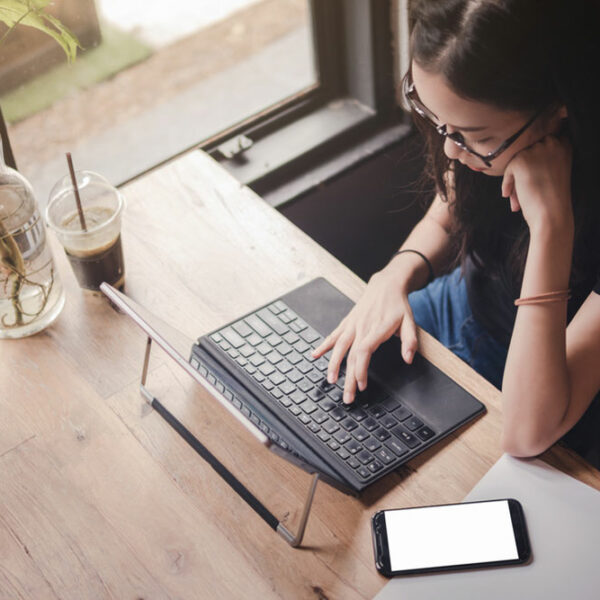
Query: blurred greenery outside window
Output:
(151,79)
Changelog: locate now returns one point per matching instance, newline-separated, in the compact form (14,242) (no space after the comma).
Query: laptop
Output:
(260,367)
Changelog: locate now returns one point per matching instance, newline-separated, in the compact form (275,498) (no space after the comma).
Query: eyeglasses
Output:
(408,89)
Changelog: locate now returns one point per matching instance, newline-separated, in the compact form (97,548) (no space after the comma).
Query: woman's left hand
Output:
(538,182)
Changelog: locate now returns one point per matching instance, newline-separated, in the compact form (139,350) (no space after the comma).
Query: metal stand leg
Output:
(240,489)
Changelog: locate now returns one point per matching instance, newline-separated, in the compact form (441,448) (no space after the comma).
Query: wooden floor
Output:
(99,498)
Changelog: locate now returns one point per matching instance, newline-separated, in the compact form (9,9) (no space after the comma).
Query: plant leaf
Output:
(30,13)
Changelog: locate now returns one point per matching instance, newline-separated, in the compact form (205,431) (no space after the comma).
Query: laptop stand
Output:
(292,539)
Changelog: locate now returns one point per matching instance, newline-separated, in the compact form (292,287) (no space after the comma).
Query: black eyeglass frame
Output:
(408,89)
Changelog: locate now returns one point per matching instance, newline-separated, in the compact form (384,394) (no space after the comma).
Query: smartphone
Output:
(451,536)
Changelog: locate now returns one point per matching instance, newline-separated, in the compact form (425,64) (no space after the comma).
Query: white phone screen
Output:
(439,536)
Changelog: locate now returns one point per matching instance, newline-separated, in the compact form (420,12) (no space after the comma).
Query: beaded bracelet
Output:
(427,262)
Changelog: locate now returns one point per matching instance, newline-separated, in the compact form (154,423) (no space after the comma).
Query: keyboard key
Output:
(287,388)
(277,393)
(353,462)
(228,395)
(288,316)
(250,369)
(277,307)
(333,444)
(337,413)
(224,344)
(233,353)
(358,413)
(272,321)
(241,328)
(343,453)
(308,406)
(309,335)
(257,360)
(363,472)
(301,346)
(360,433)
(396,447)
(216,338)
(294,376)
(264,348)
(240,360)
(294,409)
(408,438)
(274,357)
(247,351)
(291,338)
(381,434)
(258,325)
(370,424)
(336,394)
(268,384)
(284,400)
(330,426)
(259,377)
(298,325)
(274,340)
(353,447)
(388,421)
(254,339)
(304,418)
(297,397)
(349,424)
(305,385)
(377,411)
(294,357)
(322,364)
(284,366)
(375,466)
(425,433)
(371,444)
(364,457)
(341,436)
(315,376)
(284,349)
(237,403)
(401,413)
(319,417)
(304,366)
(316,394)
(327,404)
(277,378)
(322,435)
(385,456)
(413,423)
(234,338)
(266,369)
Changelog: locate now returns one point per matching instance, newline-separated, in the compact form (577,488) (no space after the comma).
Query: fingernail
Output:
(347,398)
(330,378)
(361,386)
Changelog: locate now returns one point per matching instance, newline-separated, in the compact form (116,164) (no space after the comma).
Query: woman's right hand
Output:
(382,311)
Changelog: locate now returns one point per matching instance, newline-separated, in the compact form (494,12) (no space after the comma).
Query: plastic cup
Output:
(96,255)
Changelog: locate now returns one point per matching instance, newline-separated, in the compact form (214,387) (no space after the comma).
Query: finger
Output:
(408,338)
(337,356)
(328,342)
(508,184)
(515,206)
(350,383)
(363,354)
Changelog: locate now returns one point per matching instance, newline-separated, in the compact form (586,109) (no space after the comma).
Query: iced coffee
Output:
(95,253)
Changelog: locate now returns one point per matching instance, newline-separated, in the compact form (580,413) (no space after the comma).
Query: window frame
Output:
(354,48)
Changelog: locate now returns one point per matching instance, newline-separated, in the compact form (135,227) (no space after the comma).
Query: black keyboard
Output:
(272,348)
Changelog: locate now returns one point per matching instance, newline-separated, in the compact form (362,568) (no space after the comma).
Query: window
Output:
(299,79)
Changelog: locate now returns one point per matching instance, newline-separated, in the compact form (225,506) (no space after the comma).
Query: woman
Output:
(505,93)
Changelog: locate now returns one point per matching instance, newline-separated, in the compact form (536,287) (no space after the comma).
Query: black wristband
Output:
(427,261)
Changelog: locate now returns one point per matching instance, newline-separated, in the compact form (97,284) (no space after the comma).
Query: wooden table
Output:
(99,498)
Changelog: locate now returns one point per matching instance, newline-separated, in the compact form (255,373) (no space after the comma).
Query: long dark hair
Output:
(521,55)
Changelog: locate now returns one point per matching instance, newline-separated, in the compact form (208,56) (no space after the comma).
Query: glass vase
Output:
(31,294)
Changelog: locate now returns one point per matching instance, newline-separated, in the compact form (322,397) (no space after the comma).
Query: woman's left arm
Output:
(552,371)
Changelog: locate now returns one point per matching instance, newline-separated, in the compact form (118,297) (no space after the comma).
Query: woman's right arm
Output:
(384,309)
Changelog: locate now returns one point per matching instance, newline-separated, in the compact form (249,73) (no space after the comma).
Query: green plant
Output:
(31,14)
